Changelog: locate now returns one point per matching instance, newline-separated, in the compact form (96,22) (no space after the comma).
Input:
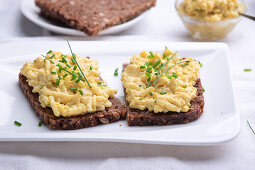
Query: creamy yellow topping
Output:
(69,98)
(173,91)
(211,10)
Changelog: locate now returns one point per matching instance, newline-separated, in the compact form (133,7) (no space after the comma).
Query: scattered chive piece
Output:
(74,68)
(40,124)
(91,67)
(59,77)
(65,75)
(151,54)
(185,86)
(149,78)
(140,85)
(250,127)
(68,65)
(146,63)
(64,60)
(53,72)
(148,74)
(148,71)
(49,52)
(73,78)
(247,70)
(157,63)
(151,93)
(164,56)
(77,81)
(73,89)
(142,67)
(174,75)
(149,84)
(162,93)
(53,55)
(203,90)
(79,74)
(116,72)
(187,61)
(149,68)
(73,61)
(17,123)
(57,82)
(169,76)
(201,65)
(81,92)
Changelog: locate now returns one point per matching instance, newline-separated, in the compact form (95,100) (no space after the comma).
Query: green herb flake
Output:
(201,65)
(17,123)
(53,55)
(148,74)
(57,82)
(116,72)
(185,86)
(146,63)
(91,67)
(157,63)
(149,79)
(73,89)
(53,72)
(59,77)
(162,93)
(151,54)
(79,74)
(140,85)
(68,65)
(169,76)
(40,124)
(77,81)
(151,94)
(65,75)
(142,67)
(49,52)
(73,61)
(247,70)
(203,90)
(148,71)
(81,92)
(174,75)
(74,68)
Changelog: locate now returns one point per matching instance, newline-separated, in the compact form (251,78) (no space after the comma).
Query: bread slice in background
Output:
(112,114)
(93,16)
(136,117)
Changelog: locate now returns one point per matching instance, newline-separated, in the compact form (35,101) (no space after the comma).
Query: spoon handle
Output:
(248,16)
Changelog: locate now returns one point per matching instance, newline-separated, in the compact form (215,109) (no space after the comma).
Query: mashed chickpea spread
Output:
(211,10)
(64,93)
(160,83)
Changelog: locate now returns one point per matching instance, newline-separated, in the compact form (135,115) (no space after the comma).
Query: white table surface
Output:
(162,24)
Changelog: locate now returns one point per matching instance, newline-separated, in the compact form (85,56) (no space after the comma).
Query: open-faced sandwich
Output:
(162,89)
(67,92)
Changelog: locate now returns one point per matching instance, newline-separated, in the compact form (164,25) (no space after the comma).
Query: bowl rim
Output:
(203,21)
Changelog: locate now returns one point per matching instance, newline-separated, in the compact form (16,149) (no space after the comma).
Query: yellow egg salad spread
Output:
(211,10)
(69,84)
(160,82)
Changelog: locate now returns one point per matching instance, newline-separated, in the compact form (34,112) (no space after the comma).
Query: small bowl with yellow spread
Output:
(210,19)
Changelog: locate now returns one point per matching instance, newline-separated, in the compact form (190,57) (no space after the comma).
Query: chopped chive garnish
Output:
(149,84)
(169,76)
(174,75)
(150,63)
(73,89)
(148,71)
(49,52)
(53,72)
(151,54)
(91,67)
(65,75)
(53,55)
(116,72)
(164,56)
(140,85)
(201,65)
(185,86)
(74,68)
(17,123)
(148,74)
(146,63)
(81,92)
(60,61)
(68,65)
(64,60)
(142,67)
(250,127)
(74,58)
(157,63)
(247,69)
(162,93)
(79,74)
(40,124)
(77,81)
(149,78)
(99,83)
(73,61)
(57,82)
(151,93)
(59,77)
(203,90)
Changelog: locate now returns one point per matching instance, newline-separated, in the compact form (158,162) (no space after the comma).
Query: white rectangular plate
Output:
(219,122)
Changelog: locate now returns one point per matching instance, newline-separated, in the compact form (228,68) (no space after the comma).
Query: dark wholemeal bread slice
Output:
(112,114)
(136,117)
(93,16)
